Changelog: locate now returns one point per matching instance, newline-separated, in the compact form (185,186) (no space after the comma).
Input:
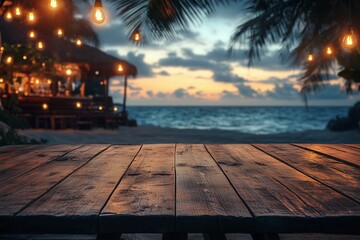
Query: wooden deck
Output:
(174,189)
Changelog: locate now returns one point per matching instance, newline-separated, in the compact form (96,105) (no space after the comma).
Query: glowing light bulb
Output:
(1,80)
(115,109)
(98,14)
(49,81)
(24,57)
(349,40)
(40,45)
(100,108)
(78,42)
(68,72)
(31,17)
(37,81)
(53,3)
(137,37)
(78,105)
(32,35)
(329,51)
(17,11)
(9,60)
(60,32)
(8,16)
(120,68)
(45,106)
(310,58)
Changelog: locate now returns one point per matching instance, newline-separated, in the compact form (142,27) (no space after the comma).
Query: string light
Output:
(329,51)
(9,60)
(45,106)
(137,36)
(31,17)
(349,40)
(17,11)
(32,35)
(310,57)
(78,105)
(100,108)
(53,3)
(40,45)
(8,16)
(78,42)
(68,72)
(98,14)
(60,32)
(120,68)
(115,109)
(24,57)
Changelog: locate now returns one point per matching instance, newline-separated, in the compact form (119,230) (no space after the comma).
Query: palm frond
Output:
(163,18)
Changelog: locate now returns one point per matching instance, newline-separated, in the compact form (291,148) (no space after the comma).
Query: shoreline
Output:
(146,134)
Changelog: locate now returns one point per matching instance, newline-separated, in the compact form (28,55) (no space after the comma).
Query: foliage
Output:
(299,27)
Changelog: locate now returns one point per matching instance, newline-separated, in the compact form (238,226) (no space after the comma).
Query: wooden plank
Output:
(357,146)
(345,154)
(144,201)
(281,198)
(73,206)
(341,177)
(13,167)
(11,151)
(205,200)
(26,189)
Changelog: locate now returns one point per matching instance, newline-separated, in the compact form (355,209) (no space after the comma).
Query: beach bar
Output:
(75,94)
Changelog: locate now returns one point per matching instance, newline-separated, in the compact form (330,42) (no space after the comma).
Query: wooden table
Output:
(261,189)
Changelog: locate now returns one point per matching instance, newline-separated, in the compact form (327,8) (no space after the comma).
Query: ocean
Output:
(258,120)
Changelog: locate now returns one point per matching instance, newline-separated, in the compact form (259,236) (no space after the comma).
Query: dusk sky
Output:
(195,69)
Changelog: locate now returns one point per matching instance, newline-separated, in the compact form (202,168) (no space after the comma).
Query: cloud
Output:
(150,93)
(163,73)
(246,91)
(283,91)
(180,93)
(113,35)
(329,92)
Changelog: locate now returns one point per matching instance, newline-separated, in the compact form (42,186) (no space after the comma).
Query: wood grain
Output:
(205,200)
(281,198)
(345,154)
(24,190)
(80,197)
(12,151)
(339,176)
(145,197)
(13,167)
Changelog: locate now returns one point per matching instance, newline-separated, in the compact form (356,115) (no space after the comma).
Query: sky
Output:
(195,70)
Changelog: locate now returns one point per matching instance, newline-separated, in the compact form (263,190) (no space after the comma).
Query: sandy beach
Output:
(151,134)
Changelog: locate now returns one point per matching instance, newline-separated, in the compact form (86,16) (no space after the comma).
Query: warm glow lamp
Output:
(78,105)
(45,106)
(31,17)
(9,60)
(310,57)
(53,3)
(350,40)
(120,68)
(100,108)
(68,72)
(40,45)
(78,42)
(98,14)
(60,32)
(17,11)
(8,16)
(32,35)
(329,51)
(137,36)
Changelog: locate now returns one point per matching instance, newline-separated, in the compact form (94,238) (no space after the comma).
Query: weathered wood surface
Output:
(342,153)
(145,197)
(205,199)
(74,204)
(174,189)
(12,167)
(24,190)
(278,195)
(337,175)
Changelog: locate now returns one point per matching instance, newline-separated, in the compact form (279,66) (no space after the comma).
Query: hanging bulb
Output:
(32,35)
(349,40)
(8,16)
(120,68)
(17,11)
(137,36)
(9,60)
(329,51)
(98,14)
(60,32)
(53,3)
(78,42)
(40,45)
(310,57)
(31,17)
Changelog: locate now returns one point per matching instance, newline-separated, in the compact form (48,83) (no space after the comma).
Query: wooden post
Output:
(125,92)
